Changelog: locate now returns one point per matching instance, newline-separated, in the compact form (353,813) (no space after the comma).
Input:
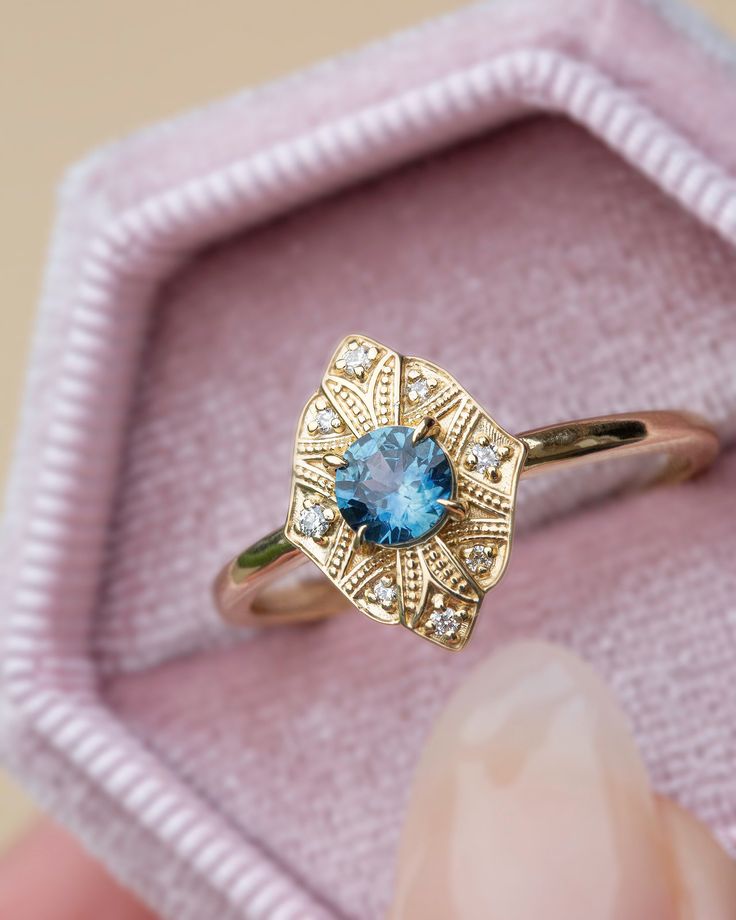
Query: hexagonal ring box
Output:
(544,202)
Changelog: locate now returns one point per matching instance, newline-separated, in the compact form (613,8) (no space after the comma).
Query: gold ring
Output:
(403,495)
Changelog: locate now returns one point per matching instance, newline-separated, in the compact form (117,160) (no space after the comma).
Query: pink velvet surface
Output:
(558,302)
(547,306)
(194,290)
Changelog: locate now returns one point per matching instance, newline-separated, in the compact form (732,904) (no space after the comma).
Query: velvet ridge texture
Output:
(540,200)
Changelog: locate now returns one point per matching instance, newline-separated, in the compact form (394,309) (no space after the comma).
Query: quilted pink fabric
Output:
(542,203)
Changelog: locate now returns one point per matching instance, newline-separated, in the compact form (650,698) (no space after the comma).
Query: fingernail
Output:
(705,876)
(530,801)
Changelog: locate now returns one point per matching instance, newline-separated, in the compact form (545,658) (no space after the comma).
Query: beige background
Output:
(79,72)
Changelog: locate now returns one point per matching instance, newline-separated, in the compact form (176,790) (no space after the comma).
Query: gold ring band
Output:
(255,588)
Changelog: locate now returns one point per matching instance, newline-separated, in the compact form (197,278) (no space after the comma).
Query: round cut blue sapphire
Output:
(392,486)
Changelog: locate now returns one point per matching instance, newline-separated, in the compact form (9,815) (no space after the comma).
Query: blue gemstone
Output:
(393,486)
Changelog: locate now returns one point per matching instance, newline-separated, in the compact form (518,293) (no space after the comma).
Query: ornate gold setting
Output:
(433,587)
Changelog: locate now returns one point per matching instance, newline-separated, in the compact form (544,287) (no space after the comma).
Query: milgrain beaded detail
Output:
(463,424)
(444,570)
(360,576)
(355,410)
(385,392)
(141,247)
(481,526)
(484,496)
(340,554)
(412,581)
(316,447)
(317,480)
(437,404)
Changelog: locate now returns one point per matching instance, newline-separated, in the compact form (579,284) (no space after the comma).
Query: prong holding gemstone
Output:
(458,510)
(427,428)
(324,418)
(418,385)
(485,457)
(445,622)
(359,542)
(314,521)
(383,592)
(356,359)
(479,558)
(334,461)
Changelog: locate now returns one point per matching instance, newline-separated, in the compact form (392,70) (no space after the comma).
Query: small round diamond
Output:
(485,457)
(356,359)
(313,522)
(479,559)
(419,388)
(445,623)
(384,593)
(327,420)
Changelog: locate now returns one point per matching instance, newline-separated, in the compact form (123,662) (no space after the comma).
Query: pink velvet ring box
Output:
(538,195)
